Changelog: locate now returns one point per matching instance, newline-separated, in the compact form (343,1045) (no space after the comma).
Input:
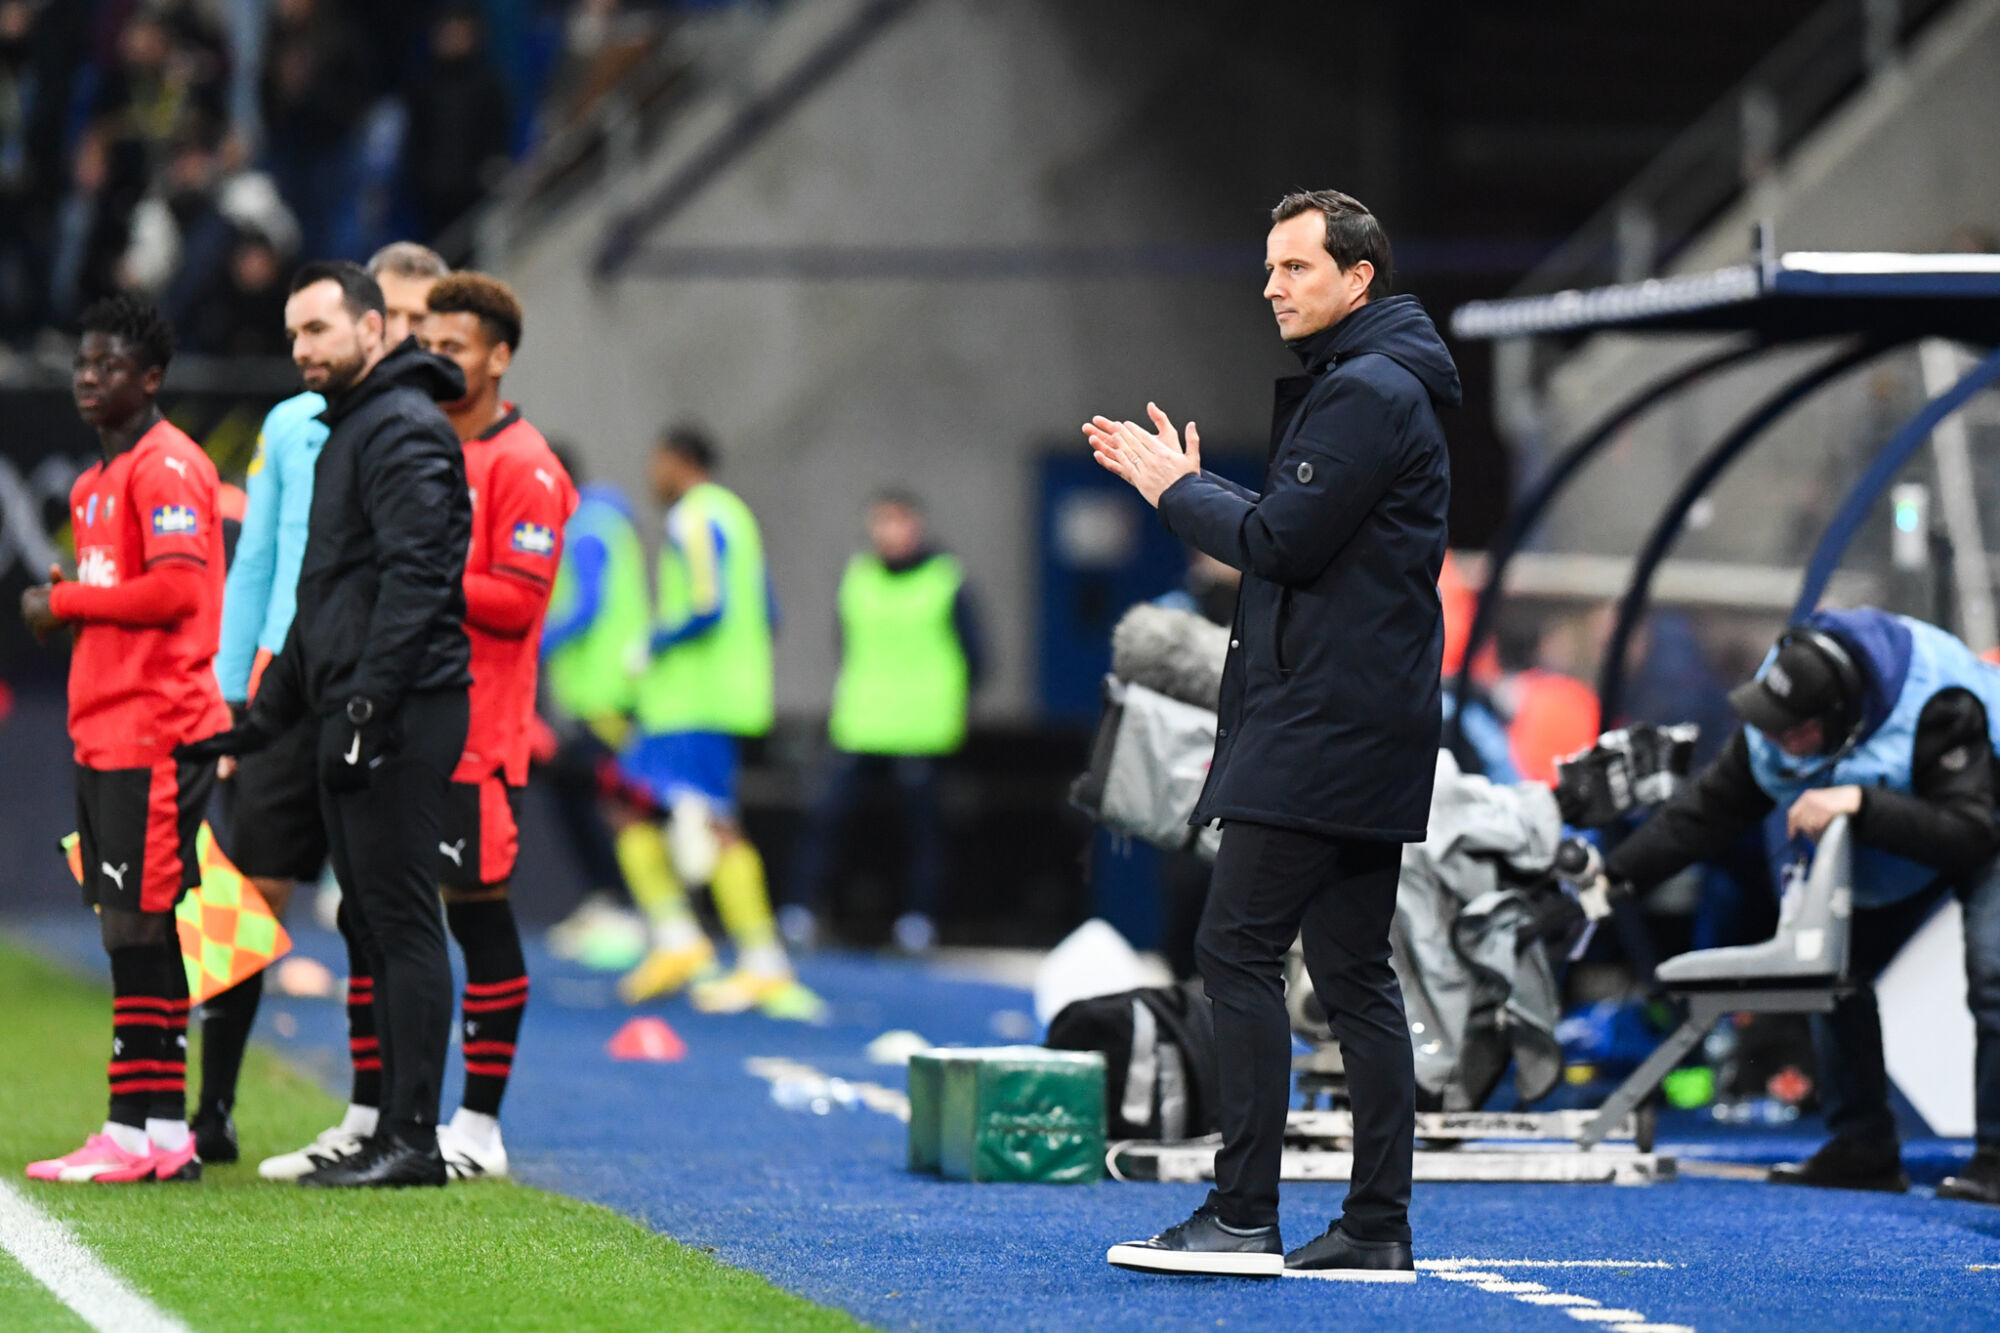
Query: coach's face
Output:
(331,348)
(1307,290)
(407,300)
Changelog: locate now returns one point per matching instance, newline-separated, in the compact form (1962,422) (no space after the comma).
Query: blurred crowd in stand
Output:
(195,150)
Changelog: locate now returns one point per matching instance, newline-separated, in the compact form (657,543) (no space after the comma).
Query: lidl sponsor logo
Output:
(173,521)
(534,539)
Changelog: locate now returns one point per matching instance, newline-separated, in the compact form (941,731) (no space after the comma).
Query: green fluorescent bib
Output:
(903,676)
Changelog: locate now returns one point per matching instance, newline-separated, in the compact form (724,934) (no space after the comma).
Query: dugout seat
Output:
(1812,940)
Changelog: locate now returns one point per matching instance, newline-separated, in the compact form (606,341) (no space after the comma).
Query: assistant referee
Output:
(1328,730)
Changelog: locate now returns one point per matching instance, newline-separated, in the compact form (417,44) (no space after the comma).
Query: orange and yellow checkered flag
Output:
(226,928)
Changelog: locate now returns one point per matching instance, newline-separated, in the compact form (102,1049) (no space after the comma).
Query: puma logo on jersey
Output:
(533,539)
(173,520)
(544,476)
(118,875)
(177,464)
(95,568)
(456,851)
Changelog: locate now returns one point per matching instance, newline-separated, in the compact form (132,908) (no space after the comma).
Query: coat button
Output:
(1236,643)
(1222,731)
(1305,474)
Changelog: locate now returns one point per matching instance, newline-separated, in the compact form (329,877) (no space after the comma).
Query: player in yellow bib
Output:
(707,686)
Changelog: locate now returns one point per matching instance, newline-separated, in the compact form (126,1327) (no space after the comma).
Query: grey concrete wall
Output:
(973,122)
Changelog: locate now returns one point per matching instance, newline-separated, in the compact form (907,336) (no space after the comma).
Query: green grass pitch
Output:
(238,1253)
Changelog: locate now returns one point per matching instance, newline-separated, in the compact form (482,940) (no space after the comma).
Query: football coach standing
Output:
(1328,730)
(378,652)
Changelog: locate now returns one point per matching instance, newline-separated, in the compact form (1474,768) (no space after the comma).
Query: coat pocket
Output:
(1279,622)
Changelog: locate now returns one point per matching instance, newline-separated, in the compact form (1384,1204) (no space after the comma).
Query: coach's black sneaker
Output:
(1339,1257)
(1204,1246)
(1979,1182)
(383,1162)
(1848,1164)
(214,1135)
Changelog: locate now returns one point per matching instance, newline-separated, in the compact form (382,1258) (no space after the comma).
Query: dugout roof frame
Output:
(1868,302)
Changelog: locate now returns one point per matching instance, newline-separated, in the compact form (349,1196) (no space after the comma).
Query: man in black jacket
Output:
(1891,723)
(378,651)
(1328,729)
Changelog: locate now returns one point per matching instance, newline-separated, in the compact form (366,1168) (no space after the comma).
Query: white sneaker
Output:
(331,1146)
(472,1150)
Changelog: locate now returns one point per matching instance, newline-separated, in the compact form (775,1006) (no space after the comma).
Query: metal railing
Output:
(1736,146)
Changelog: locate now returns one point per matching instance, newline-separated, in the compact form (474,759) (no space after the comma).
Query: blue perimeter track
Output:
(702,1151)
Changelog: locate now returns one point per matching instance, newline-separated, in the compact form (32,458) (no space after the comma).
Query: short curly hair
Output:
(481,294)
(137,321)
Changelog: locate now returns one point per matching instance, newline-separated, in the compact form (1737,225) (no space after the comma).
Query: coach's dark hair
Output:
(899,498)
(138,322)
(1352,233)
(485,297)
(691,441)
(359,292)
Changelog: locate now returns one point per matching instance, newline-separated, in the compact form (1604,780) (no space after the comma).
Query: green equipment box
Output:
(1017,1113)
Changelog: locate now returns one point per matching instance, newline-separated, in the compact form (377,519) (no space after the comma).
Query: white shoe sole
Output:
(1199,1263)
(1354,1274)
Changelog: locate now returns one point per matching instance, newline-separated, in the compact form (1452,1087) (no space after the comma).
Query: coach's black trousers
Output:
(383,842)
(1338,897)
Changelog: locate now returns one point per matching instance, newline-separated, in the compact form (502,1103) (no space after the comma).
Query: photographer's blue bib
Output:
(1928,661)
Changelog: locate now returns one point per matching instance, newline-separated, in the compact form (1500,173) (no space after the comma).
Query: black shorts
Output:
(137,828)
(276,830)
(482,835)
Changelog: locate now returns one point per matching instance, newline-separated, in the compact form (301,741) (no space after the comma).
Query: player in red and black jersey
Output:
(521,498)
(145,607)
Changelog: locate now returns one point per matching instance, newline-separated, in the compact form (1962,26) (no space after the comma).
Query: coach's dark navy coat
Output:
(1330,714)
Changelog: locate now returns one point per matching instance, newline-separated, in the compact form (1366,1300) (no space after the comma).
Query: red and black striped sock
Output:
(362,1044)
(496,993)
(170,1098)
(140,1066)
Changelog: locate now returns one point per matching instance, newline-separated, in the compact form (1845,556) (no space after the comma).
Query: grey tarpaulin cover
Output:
(1475,999)
(1158,763)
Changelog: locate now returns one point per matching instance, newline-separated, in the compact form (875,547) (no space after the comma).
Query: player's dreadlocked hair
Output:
(137,321)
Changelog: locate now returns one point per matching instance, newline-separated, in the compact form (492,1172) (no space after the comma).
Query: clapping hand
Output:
(1151,463)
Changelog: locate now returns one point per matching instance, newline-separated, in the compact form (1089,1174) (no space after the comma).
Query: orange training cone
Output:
(646,1038)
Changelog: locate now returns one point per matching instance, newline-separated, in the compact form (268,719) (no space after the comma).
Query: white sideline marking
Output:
(1583,1309)
(1544,1263)
(61,1263)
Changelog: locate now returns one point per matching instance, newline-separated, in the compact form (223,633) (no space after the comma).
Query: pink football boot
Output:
(99,1159)
(177,1163)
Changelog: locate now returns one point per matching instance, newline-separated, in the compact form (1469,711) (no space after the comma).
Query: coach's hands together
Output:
(1151,463)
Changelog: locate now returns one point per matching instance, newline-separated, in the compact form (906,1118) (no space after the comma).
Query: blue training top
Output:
(262,591)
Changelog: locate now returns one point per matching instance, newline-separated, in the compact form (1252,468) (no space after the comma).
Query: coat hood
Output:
(1881,645)
(406,364)
(1397,327)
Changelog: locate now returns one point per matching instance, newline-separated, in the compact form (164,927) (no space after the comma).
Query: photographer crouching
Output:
(1893,723)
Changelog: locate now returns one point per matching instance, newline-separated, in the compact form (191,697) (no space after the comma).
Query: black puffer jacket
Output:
(381,600)
(1330,705)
